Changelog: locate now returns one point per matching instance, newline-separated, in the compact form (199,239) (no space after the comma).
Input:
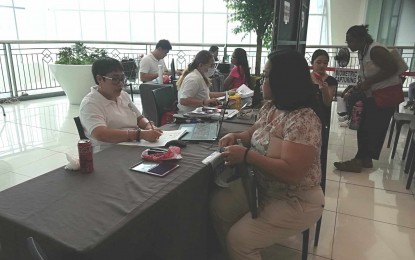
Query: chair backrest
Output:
(130,69)
(35,251)
(147,100)
(80,128)
(166,101)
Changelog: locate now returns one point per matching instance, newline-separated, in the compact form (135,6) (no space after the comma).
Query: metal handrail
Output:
(26,69)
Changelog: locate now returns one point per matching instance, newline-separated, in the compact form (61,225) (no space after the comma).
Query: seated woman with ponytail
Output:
(193,85)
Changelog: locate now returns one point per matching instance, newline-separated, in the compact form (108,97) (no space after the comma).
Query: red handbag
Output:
(389,96)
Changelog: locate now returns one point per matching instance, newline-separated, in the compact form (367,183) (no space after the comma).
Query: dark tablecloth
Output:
(113,213)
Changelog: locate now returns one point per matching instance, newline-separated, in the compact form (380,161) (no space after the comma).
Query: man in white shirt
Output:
(149,64)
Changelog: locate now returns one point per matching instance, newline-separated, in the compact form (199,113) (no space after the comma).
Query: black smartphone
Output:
(154,168)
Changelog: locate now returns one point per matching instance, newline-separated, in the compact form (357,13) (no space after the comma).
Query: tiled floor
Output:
(367,216)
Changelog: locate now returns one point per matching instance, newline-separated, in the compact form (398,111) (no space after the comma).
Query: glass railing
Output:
(25,70)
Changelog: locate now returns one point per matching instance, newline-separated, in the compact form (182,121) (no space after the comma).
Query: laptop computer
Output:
(203,131)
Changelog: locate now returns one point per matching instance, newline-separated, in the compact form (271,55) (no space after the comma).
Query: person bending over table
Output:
(377,70)
(149,64)
(193,85)
(240,72)
(107,113)
(285,153)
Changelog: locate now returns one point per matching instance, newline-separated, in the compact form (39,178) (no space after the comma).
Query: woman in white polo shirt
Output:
(193,85)
(107,114)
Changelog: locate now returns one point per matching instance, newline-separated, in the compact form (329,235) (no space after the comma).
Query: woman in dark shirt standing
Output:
(325,89)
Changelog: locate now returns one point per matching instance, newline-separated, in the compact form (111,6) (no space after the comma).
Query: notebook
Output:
(203,131)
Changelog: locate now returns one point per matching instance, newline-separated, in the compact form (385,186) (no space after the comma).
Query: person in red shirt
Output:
(240,73)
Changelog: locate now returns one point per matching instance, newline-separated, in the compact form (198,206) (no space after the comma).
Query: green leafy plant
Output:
(253,15)
(79,54)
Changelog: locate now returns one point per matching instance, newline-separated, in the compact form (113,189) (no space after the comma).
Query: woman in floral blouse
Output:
(285,153)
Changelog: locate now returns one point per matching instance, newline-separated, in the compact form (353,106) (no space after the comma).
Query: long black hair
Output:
(242,60)
(290,82)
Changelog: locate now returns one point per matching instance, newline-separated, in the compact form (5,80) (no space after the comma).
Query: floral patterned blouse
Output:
(299,126)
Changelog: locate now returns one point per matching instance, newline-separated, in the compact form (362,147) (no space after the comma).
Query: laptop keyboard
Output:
(202,131)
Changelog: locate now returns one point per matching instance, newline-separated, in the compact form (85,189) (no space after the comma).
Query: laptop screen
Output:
(222,115)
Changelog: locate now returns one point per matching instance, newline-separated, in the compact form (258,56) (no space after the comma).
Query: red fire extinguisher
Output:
(356,115)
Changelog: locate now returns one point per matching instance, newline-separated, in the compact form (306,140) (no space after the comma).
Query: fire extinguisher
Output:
(356,115)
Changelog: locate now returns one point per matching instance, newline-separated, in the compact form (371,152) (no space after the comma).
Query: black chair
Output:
(147,100)
(399,119)
(34,249)
(166,101)
(80,128)
(2,108)
(131,73)
(410,160)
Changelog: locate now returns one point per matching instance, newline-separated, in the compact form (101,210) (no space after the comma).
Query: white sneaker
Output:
(344,124)
(343,118)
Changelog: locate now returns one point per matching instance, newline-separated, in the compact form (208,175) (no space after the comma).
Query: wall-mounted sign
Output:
(346,76)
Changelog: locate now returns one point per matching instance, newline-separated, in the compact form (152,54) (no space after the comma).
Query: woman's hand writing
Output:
(211,102)
(151,135)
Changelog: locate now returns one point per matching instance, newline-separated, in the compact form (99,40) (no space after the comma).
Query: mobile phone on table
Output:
(159,169)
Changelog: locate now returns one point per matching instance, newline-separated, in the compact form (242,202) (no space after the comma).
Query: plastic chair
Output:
(131,73)
(35,251)
(399,119)
(165,100)
(147,100)
(80,128)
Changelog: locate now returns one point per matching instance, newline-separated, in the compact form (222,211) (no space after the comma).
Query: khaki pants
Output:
(280,218)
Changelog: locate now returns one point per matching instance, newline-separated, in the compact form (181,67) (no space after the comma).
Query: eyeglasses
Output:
(263,77)
(117,81)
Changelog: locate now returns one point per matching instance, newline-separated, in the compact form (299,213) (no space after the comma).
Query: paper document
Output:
(244,91)
(162,141)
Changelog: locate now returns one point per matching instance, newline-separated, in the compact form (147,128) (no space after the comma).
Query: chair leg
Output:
(395,144)
(411,173)
(408,140)
(317,234)
(411,157)
(304,253)
(392,127)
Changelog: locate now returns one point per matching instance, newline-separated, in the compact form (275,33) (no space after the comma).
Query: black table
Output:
(113,213)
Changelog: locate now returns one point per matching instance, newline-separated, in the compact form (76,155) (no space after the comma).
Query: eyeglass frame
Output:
(116,81)
(263,77)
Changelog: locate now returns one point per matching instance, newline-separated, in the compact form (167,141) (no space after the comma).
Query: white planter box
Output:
(75,80)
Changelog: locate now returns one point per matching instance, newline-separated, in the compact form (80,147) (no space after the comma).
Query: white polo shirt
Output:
(192,86)
(149,64)
(95,110)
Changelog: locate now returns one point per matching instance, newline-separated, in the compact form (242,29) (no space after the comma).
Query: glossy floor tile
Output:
(368,215)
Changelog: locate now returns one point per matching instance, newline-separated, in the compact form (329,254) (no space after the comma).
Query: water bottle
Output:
(356,115)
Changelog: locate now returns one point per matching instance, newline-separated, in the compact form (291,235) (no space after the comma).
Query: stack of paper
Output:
(244,91)
(162,141)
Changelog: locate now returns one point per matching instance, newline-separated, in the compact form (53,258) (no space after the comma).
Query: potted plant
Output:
(72,70)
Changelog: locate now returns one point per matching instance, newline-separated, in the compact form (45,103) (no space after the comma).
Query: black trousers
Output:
(372,131)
